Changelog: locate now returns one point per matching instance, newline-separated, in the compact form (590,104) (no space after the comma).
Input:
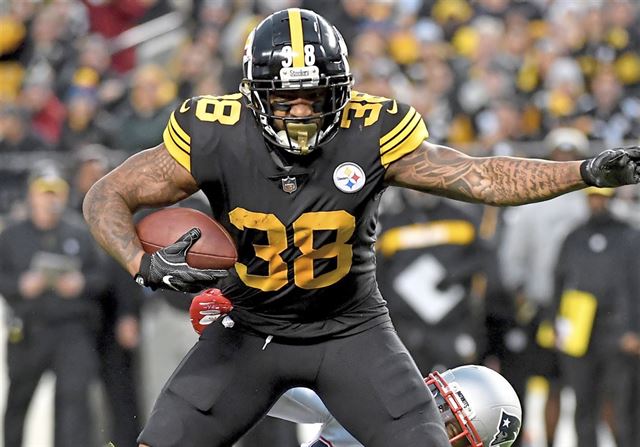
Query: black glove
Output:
(613,167)
(168,268)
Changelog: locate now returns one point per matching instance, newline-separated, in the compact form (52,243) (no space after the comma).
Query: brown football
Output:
(214,250)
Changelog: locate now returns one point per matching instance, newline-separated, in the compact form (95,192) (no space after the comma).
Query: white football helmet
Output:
(479,407)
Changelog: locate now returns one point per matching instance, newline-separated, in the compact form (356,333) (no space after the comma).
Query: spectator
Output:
(496,8)
(612,117)
(208,36)
(500,126)
(346,15)
(437,104)
(216,13)
(528,254)
(194,64)
(563,99)
(623,35)
(16,134)
(110,19)
(49,274)
(118,338)
(451,15)
(46,110)
(92,162)
(46,49)
(517,41)
(590,47)
(232,47)
(85,123)
(118,329)
(373,67)
(626,206)
(92,71)
(629,410)
(592,325)
(143,117)
(12,49)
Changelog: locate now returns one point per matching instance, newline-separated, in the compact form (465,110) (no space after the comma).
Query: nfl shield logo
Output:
(289,184)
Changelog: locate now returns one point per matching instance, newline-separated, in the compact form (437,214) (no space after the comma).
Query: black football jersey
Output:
(305,234)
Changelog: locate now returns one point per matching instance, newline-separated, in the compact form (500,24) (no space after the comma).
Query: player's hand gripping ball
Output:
(212,249)
(185,250)
(207,307)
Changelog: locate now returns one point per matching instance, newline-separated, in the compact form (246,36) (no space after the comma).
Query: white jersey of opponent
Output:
(303,406)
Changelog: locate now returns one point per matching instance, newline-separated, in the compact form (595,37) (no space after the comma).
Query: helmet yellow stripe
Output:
(297,38)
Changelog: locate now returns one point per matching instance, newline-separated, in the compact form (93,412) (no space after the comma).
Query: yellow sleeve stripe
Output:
(178,130)
(402,135)
(401,125)
(409,144)
(177,140)
(176,152)
(297,38)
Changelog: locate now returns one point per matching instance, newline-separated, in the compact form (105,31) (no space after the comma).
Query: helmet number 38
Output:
(309,56)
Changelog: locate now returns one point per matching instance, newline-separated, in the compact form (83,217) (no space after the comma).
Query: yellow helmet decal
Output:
(297,38)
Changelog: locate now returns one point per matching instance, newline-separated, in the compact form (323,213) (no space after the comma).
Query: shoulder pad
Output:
(403,130)
(193,120)
(362,105)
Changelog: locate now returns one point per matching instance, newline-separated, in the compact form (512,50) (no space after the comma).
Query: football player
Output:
(479,407)
(294,165)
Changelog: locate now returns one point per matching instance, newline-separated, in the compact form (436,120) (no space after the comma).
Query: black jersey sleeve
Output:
(177,134)
(402,131)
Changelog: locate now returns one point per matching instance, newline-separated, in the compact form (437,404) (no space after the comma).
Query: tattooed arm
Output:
(492,180)
(151,178)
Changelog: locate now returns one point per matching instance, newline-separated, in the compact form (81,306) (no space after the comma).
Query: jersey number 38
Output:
(304,226)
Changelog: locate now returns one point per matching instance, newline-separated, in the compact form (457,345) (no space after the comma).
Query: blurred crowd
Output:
(85,83)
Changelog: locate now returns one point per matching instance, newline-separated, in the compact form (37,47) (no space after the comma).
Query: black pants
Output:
(230,379)
(68,351)
(628,407)
(118,376)
(633,400)
(595,377)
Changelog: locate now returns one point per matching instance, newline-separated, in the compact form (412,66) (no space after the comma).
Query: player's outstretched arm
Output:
(508,180)
(151,178)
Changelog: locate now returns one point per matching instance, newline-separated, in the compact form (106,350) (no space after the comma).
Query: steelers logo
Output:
(349,177)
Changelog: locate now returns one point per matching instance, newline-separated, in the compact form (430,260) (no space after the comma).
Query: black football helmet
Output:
(296,50)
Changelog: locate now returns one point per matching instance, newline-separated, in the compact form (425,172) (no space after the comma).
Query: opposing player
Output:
(478,406)
(293,166)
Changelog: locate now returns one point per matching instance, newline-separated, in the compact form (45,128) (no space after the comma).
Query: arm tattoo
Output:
(150,178)
(491,180)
